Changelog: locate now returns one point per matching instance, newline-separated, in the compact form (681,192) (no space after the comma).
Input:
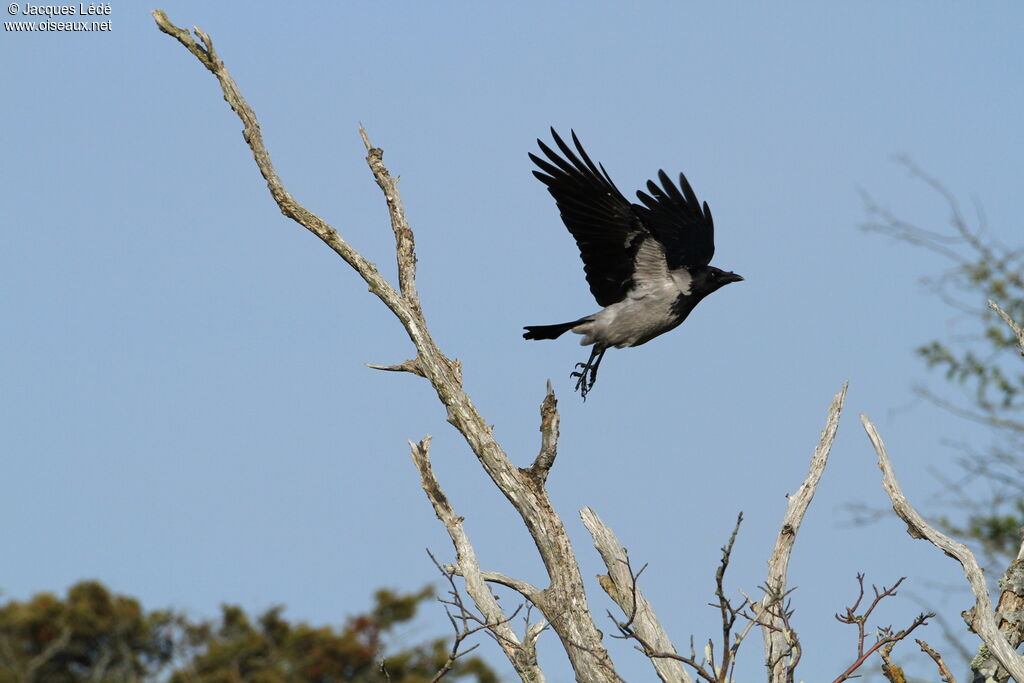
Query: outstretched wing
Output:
(603,222)
(676,220)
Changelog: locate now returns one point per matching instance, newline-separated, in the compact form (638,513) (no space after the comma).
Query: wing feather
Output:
(676,220)
(609,230)
(602,221)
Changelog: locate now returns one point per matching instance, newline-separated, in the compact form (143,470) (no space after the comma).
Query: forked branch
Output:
(522,655)
(563,602)
(885,636)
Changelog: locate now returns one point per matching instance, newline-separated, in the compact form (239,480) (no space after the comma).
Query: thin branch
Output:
(527,590)
(777,639)
(522,657)
(886,638)
(460,622)
(920,620)
(405,242)
(727,612)
(254,137)
(983,623)
(989,419)
(1017,330)
(411,365)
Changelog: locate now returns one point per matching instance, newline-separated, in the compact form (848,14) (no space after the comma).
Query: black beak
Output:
(732,277)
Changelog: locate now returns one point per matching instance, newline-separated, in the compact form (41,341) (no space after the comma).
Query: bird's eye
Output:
(713,275)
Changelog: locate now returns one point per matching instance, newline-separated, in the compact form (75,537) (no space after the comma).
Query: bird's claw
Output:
(584,383)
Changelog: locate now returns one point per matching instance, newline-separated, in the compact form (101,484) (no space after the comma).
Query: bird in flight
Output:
(646,263)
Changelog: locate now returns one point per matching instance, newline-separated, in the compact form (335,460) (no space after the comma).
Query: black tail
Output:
(550,331)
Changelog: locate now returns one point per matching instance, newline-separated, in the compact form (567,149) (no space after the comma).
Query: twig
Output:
(461,622)
(411,365)
(919,620)
(886,638)
(727,612)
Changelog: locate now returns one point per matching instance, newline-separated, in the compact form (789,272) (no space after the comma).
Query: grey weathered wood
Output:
(618,583)
(523,655)
(777,641)
(564,601)
(983,621)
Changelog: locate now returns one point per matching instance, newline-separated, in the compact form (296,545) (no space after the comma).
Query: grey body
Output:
(659,302)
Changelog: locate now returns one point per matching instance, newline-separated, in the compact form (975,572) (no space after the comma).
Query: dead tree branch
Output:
(983,619)
(464,622)
(944,672)
(564,601)
(549,421)
(522,655)
(779,640)
(885,637)
(620,585)
(1017,330)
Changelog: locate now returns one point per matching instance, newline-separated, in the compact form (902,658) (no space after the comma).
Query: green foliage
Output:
(95,636)
(981,364)
(90,633)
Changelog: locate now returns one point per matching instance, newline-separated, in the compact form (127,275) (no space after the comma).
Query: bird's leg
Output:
(587,374)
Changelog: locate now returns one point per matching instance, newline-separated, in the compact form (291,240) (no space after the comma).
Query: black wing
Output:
(676,220)
(603,222)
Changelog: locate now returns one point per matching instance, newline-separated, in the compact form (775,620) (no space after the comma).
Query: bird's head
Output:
(711,279)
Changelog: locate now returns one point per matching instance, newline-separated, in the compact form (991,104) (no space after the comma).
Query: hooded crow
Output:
(646,263)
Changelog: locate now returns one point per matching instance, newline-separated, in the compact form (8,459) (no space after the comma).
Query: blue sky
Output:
(186,415)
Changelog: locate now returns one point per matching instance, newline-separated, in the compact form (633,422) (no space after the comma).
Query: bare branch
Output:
(892,672)
(460,621)
(1012,324)
(411,365)
(727,612)
(777,637)
(405,242)
(620,586)
(983,622)
(564,601)
(254,137)
(886,638)
(522,657)
(548,436)
(883,640)
(527,590)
